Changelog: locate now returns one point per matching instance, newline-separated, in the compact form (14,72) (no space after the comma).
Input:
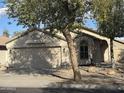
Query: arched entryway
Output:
(85,46)
(91,50)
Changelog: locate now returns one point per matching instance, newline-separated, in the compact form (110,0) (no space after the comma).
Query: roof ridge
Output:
(57,36)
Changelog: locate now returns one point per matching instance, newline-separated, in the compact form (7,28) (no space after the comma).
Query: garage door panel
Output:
(36,58)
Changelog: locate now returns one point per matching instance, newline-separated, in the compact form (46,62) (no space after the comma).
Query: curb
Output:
(88,86)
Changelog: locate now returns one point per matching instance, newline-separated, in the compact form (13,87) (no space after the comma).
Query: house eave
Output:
(61,38)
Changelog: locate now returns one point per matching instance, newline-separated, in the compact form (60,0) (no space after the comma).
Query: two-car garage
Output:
(37,58)
(34,50)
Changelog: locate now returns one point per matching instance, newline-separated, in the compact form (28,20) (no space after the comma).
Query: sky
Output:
(4,20)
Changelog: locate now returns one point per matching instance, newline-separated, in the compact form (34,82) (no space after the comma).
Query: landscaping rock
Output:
(92,69)
(111,71)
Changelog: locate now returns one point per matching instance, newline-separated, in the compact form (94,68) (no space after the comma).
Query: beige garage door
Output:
(36,58)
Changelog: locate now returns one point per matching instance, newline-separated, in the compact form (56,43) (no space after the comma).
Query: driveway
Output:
(26,80)
(61,82)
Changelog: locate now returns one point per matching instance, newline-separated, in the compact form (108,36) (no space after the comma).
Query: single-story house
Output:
(39,50)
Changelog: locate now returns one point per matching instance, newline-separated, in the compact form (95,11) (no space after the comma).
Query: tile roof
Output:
(3,40)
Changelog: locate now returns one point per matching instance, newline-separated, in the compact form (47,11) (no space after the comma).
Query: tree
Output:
(109,15)
(6,33)
(63,15)
(16,33)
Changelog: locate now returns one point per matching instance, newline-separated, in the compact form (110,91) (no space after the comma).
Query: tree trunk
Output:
(73,55)
(112,53)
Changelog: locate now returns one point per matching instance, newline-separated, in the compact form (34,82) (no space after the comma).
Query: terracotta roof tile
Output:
(3,40)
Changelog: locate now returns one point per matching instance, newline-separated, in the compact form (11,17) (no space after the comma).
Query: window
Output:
(83,50)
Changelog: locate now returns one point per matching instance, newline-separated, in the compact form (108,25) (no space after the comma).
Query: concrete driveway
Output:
(92,82)
(27,80)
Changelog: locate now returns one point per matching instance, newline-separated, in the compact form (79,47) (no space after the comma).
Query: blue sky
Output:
(4,20)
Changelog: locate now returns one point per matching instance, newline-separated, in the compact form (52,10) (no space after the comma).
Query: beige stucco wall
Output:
(118,51)
(98,54)
(50,41)
(100,37)
(29,49)
(57,56)
(3,57)
(36,58)
(32,37)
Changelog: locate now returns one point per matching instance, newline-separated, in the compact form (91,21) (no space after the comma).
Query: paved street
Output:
(58,90)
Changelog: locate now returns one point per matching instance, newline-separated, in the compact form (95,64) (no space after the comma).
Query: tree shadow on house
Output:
(28,61)
(34,52)
(120,66)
